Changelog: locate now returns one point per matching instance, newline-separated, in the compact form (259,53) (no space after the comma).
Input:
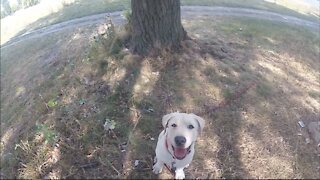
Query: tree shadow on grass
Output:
(245,120)
(277,120)
(223,115)
(114,104)
(174,92)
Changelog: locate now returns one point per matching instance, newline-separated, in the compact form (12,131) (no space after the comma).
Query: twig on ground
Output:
(114,168)
(44,102)
(89,165)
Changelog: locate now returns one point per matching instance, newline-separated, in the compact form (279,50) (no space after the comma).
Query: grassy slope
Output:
(254,136)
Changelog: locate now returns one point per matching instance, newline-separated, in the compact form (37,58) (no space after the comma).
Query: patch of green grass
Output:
(173,85)
(227,94)
(103,65)
(314,94)
(145,104)
(84,8)
(116,46)
(96,52)
(8,164)
(210,72)
(148,124)
(254,4)
(227,80)
(142,146)
(48,134)
(116,110)
(269,34)
(265,89)
(9,117)
(214,77)
(112,43)
(128,15)
(8,54)
(52,103)
(123,127)
(246,76)
(93,136)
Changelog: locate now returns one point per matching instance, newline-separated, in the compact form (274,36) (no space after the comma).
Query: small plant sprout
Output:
(109,125)
(82,101)
(52,103)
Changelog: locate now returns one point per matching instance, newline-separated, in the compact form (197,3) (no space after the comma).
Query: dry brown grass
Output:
(254,135)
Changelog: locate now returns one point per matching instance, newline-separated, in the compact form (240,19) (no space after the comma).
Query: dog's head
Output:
(182,131)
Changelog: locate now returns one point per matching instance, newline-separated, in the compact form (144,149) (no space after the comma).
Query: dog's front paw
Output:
(179,174)
(157,168)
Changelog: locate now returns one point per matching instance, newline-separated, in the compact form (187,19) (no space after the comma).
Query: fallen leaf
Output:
(136,163)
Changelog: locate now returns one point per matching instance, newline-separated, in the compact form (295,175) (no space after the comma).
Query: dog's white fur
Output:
(165,155)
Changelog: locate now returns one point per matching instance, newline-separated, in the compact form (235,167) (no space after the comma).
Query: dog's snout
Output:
(180,140)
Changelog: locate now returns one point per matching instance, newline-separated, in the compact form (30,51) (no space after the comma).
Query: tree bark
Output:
(156,24)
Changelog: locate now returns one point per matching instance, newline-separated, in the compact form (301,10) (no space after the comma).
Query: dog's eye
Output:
(190,127)
(173,125)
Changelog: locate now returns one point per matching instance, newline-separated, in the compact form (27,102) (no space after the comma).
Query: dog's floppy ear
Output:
(166,118)
(200,122)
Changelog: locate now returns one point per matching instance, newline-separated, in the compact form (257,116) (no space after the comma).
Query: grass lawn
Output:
(58,91)
(282,7)
(83,8)
(55,12)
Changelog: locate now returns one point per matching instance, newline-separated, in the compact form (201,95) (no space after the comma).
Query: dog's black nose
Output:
(180,140)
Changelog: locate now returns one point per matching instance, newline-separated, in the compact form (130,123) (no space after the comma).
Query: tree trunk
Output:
(156,24)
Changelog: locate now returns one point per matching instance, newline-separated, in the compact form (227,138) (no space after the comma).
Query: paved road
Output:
(186,11)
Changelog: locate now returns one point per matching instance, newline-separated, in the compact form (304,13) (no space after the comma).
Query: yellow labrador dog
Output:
(175,147)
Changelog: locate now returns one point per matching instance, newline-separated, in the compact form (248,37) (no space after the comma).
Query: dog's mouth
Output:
(180,153)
